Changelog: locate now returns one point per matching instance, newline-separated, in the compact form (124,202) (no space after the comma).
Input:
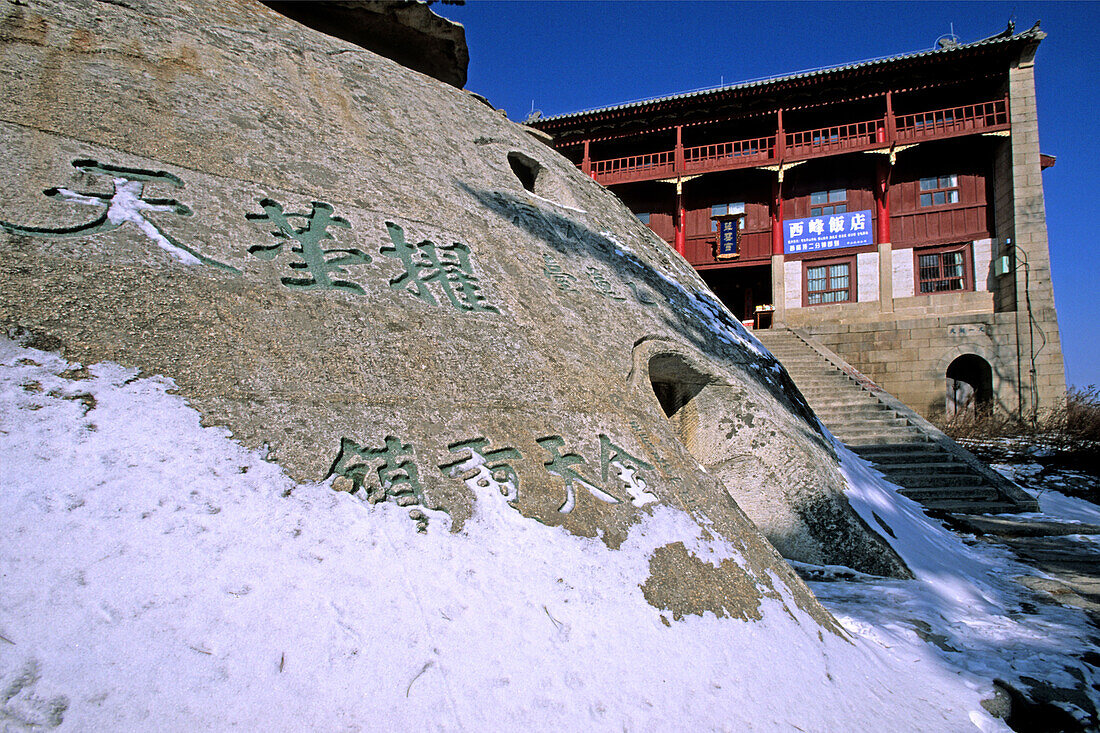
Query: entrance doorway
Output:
(745,289)
(969,385)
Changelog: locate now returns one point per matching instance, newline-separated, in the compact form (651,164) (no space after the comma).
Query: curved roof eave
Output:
(1033,33)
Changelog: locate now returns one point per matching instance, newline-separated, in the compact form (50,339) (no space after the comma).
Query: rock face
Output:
(379,278)
(406,31)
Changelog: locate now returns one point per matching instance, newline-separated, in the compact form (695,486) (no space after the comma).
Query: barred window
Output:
(830,282)
(944,269)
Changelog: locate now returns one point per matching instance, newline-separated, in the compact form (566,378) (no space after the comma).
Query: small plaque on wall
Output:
(729,235)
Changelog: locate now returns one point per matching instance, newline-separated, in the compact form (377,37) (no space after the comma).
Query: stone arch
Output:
(998,384)
(969,385)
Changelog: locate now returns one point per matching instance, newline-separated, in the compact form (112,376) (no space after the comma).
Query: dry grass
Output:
(1073,427)
(1065,439)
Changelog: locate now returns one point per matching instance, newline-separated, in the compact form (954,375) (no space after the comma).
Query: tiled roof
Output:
(1006,36)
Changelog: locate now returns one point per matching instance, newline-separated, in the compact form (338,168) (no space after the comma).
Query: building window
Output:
(944,269)
(939,190)
(643,216)
(832,281)
(723,209)
(828,202)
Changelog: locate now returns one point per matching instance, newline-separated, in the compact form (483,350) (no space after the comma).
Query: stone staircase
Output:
(930,467)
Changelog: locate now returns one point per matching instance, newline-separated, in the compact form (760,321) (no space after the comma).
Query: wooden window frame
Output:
(834,205)
(967,249)
(923,192)
(853,290)
(728,206)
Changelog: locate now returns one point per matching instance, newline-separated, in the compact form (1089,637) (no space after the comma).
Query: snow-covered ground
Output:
(155,575)
(965,603)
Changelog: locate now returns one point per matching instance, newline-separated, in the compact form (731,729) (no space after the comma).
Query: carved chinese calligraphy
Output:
(126,204)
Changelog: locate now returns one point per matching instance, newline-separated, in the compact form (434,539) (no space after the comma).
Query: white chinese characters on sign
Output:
(834,231)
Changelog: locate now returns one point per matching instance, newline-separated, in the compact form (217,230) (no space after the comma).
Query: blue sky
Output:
(567,56)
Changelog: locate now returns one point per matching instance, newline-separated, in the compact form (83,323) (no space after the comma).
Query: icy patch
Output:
(1056,506)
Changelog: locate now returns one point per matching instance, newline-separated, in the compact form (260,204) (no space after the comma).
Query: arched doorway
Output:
(969,385)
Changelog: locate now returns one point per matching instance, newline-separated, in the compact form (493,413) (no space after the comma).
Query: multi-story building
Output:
(893,209)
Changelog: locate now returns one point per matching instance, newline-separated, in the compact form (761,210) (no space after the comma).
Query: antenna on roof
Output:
(948,40)
(534,114)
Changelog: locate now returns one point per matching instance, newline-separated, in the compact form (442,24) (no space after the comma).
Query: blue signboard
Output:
(831,231)
(729,235)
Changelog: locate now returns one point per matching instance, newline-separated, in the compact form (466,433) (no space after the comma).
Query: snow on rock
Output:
(155,575)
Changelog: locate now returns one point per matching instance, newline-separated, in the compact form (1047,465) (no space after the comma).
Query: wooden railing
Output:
(838,138)
(953,121)
(634,167)
(752,151)
(802,144)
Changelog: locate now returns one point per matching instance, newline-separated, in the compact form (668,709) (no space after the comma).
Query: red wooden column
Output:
(681,233)
(777,187)
(882,235)
(882,202)
(586,162)
(680,242)
(891,120)
(678,153)
(778,274)
(777,216)
(780,138)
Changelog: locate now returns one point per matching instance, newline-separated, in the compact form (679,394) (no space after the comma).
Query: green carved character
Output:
(126,204)
(562,465)
(448,266)
(315,260)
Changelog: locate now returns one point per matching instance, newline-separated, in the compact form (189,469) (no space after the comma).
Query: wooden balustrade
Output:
(953,121)
(851,137)
(753,151)
(802,144)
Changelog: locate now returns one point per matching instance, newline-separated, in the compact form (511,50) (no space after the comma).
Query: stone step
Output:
(955,493)
(936,480)
(859,424)
(801,360)
(823,372)
(883,438)
(902,451)
(838,390)
(953,506)
(934,463)
(840,395)
(854,411)
(860,428)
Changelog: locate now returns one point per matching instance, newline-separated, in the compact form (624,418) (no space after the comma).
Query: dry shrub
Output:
(1072,428)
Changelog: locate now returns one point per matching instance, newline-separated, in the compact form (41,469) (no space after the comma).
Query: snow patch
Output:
(157,575)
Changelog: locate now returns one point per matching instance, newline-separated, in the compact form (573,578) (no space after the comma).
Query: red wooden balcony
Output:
(803,144)
(953,121)
(646,167)
(738,153)
(849,138)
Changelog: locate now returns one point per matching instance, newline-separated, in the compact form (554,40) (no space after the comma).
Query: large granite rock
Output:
(379,278)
